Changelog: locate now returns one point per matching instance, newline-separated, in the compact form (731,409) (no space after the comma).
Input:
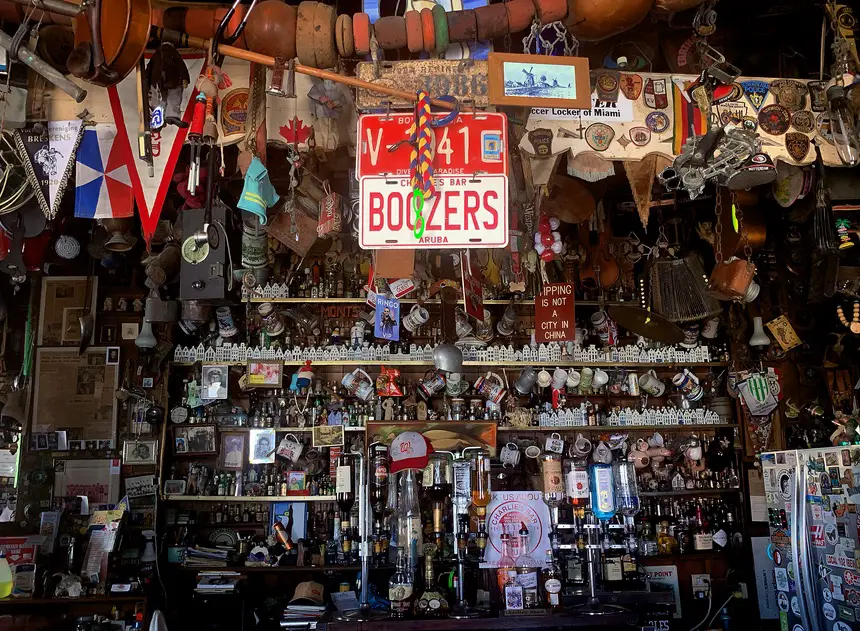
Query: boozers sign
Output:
(554,313)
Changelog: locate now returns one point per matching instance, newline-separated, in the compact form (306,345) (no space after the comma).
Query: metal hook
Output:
(220,38)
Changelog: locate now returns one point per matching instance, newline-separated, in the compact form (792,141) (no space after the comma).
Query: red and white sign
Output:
(506,513)
(555,318)
(473,143)
(817,534)
(465,212)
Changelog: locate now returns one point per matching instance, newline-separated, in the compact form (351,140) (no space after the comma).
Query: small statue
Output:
(137,305)
(122,305)
(108,306)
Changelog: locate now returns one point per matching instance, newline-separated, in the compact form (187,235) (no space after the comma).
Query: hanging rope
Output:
(421,160)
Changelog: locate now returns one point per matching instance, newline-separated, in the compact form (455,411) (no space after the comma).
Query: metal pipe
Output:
(54,6)
(33,61)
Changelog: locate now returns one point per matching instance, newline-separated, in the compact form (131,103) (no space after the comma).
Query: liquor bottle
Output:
(551,580)
(703,541)
(576,486)
(553,485)
(527,570)
(379,485)
(736,535)
(431,603)
(344,487)
(437,480)
(602,491)
(481,493)
(719,532)
(400,589)
(410,534)
(506,569)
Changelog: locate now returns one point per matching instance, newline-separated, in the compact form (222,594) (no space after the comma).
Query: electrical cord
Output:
(719,609)
(710,603)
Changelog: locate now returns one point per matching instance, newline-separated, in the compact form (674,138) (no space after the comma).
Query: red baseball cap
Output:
(409,450)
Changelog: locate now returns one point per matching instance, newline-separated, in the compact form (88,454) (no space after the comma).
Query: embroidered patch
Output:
(599,136)
(658,122)
(631,86)
(756,92)
(803,121)
(640,136)
(774,119)
(797,145)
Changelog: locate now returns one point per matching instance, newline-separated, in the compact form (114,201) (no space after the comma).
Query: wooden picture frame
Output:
(265,373)
(516,80)
(233,446)
(194,439)
(140,452)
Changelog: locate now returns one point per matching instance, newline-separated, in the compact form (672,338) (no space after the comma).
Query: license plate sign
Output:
(465,212)
(473,143)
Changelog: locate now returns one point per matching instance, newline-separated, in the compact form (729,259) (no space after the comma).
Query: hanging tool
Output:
(195,139)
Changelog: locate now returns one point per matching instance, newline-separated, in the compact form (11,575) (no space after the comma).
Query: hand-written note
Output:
(554,313)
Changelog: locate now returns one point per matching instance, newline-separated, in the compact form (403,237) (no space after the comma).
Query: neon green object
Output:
(418,205)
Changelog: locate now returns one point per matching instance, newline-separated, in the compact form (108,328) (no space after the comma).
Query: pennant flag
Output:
(103,186)
(47,155)
(688,119)
(150,192)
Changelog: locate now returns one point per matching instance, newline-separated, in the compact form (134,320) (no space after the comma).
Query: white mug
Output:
(656,440)
(510,455)
(416,317)
(573,379)
(688,385)
(554,444)
(581,446)
(600,379)
(544,378)
(455,385)
(559,378)
(651,384)
(579,336)
(532,451)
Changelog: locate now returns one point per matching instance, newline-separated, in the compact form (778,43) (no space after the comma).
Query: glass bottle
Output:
(506,569)
(431,603)
(553,485)
(576,486)
(602,491)
(481,495)
(410,532)
(703,540)
(551,581)
(527,570)
(437,480)
(401,588)
(379,484)
(345,493)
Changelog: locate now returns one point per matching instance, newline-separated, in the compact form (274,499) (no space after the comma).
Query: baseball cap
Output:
(308,593)
(409,450)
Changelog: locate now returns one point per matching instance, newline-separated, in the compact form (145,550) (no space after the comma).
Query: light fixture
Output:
(759,337)
(146,338)
(842,128)
(13,408)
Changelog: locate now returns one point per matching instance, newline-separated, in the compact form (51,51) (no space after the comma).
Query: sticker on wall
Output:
(780,575)
(655,94)
(782,601)
(829,611)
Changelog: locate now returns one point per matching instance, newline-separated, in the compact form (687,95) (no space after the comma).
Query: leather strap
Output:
(492,21)
(414,33)
(440,23)
(428,31)
(390,32)
(361,33)
(462,26)
(520,14)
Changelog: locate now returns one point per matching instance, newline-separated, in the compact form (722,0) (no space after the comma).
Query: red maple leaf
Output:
(295,131)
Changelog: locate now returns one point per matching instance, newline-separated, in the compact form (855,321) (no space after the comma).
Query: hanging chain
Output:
(739,213)
(718,229)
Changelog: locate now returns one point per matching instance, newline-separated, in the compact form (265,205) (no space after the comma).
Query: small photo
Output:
(265,374)
(92,445)
(198,439)
(174,487)
(148,383)
(108,334)
(262,446)
(76,445)
(140,452)
(180,445)
(215,382)
(296,481)
(112,356)
(105,444)
(130,330)
(53,441)
(39,442)
(233,451)
(328,436)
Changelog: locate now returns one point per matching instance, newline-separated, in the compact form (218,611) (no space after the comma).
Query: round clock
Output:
(179,414)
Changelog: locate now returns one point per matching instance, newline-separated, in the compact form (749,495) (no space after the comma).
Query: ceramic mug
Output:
(505,326)
(559,378)
(600,322)
(656,440)
(586,377)
(510,455)
(554,443)
(526,381)
(358,383)
(688,385)
(602,454)
(417,316)
(639,459)
(600,379)
(544,379)
(532,451)
(581,446)
(432,383)
(491,386)
(642,445)
(463,328)
(579,336)
(456,385)
(651,384)
(573,379)
(633,384)
(711,328)
(691,336)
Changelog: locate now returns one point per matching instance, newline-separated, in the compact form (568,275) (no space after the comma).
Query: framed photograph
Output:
(265,373)
(296,481)
(539,81)
(328,436)
(262,446)
(130,330)
(232,451)
(112,356)
(215,382)
(180,445)
(140,452)
(197,439)
(64,299)
(174,487)
(108,334)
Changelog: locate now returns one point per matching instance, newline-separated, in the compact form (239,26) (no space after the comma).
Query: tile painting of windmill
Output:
(540,80)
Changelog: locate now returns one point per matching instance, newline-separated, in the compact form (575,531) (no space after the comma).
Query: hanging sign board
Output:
(554,313)
(465,212)
(472,143)
(464,79)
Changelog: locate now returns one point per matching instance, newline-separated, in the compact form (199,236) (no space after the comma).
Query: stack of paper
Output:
(217,582)
(198,556)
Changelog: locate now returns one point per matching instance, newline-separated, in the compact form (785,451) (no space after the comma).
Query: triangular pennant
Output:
(150,192)
(756,92)
(103,189)
(47,152)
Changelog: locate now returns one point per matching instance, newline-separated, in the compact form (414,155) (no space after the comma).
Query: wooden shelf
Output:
(279,430)
(688,492)
(90,600)
(241,569)
(483,364)
(230,499)
(528,302)
(617,428)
